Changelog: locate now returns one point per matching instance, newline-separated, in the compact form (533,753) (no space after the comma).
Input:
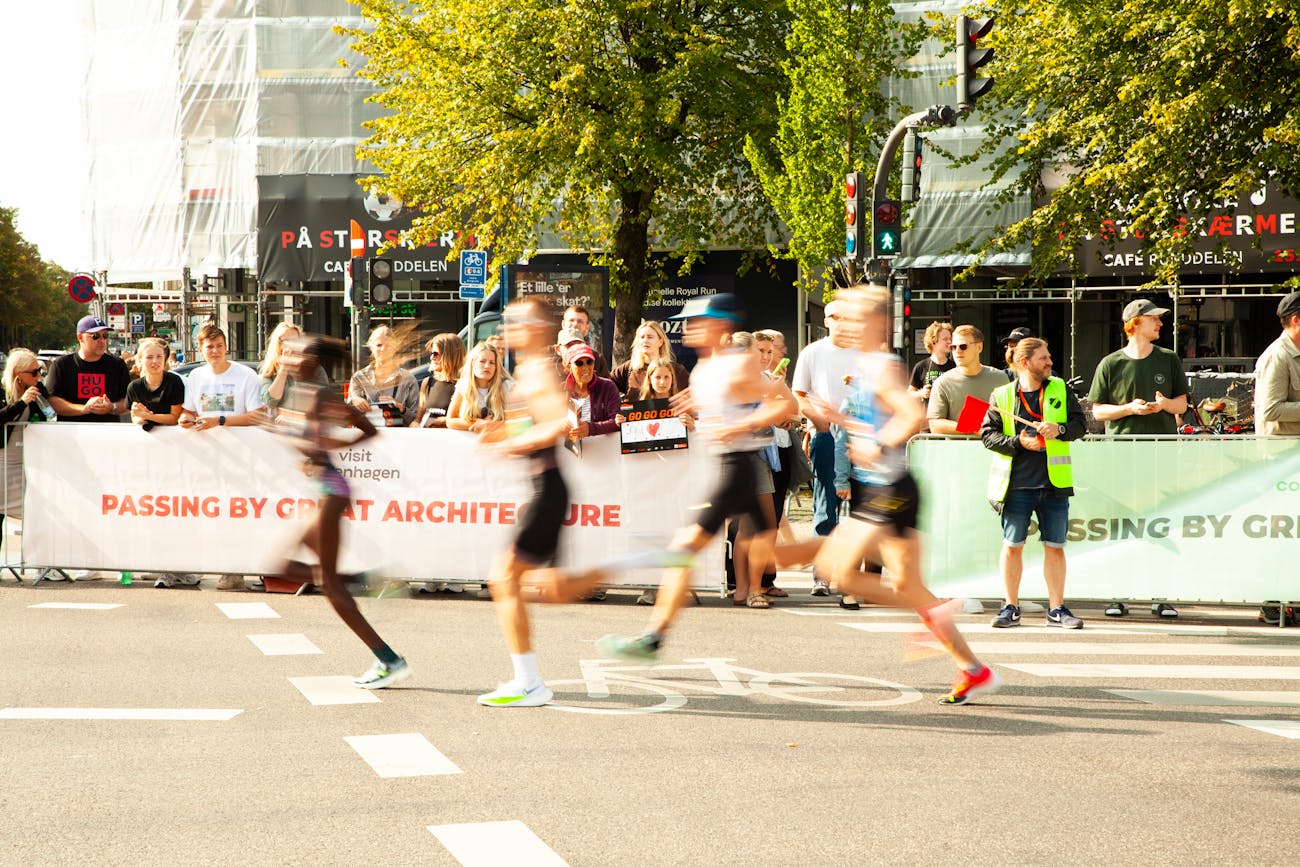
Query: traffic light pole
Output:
(935,115)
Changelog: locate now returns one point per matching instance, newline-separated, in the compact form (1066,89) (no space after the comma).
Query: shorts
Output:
(762,474)
(1053,516)
(735,495)
(330,481)
(538,533)
(897,505)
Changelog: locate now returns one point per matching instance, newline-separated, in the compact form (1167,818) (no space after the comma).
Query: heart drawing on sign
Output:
(653,428)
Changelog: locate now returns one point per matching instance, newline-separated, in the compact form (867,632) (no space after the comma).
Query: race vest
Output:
(1059,470)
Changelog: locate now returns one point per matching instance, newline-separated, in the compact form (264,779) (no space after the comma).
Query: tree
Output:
(619,124)
(833,121)
(35,310)
(1145,112)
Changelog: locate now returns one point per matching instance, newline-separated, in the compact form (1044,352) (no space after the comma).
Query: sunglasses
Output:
(584,362)
(962,346)
(35,371)
(435,354)
(98,335)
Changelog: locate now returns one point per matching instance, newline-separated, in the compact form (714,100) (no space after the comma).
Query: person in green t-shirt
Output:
(1141,388)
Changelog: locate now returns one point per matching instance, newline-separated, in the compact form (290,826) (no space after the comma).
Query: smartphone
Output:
(781,366)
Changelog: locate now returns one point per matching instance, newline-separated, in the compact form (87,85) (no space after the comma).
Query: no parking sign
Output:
(81,288)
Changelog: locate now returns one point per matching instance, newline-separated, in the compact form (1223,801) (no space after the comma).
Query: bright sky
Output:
(43,163)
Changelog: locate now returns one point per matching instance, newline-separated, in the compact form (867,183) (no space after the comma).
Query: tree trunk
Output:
(631,271)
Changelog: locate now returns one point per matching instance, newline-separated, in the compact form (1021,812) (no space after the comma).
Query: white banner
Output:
(426,504)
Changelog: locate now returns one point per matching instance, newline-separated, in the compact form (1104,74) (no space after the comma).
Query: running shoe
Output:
(636,648)
(1061,616)
(821,588)
(164,580)
(1009,615)
(1163,610)
(1116,609)
(383,674)
(967,686)
(647,597)
(513,694)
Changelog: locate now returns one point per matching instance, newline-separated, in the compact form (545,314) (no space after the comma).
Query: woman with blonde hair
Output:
(480,395)
(157,396)
(649,344)
(446,357)
(24,393)
(384,384)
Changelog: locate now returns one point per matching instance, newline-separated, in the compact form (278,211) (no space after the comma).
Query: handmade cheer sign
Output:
(651,426)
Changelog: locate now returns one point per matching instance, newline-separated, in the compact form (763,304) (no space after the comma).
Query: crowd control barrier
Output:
(426,504)
(1191,520)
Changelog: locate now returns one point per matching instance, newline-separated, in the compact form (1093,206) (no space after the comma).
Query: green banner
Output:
(1193,520)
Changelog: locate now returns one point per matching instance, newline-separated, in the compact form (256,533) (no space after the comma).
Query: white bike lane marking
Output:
(1283,728)
(333,689)
(284,644)
(247,610)
(402,755)
(489,844)
(80,606)
(121,713)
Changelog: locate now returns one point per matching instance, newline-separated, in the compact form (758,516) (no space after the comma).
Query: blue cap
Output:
(90,325)
(724,305)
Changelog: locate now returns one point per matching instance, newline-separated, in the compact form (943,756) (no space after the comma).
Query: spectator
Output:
(563,340)
(274,373)
(384,385)
(650,344)
(938,342)
(446,358)
(89,384)
(221,394)
(1009,346)
(1029,425)
(786,461)
(576,318)
(595,399)
(1277,376)
(778,351)
(24,392)
(480,394)
(969,378)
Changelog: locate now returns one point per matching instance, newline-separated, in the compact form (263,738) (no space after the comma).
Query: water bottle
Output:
(126,578)
(46,410)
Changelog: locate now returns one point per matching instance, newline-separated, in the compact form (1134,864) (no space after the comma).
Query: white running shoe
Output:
(381,675)
(513,694)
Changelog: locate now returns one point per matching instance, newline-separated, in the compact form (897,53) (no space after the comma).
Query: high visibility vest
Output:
(1059,470)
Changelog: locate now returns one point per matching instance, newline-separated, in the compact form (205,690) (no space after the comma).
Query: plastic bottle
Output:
(46,410)
(126,578)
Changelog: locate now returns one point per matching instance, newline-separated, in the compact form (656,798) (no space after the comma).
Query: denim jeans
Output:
(826,506)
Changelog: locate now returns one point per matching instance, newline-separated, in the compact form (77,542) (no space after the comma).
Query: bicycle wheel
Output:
(840,690)
(671,700)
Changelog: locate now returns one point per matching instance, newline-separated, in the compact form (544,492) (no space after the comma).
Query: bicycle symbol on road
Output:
(601,679)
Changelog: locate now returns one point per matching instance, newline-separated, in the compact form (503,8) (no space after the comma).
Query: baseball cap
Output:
(1142,307)
(1288,305)
(569,335)
(91,325)
(724,305)
(1017,334)
(573,353)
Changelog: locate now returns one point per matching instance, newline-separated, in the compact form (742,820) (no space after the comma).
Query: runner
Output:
(316,412)
(536,420)
(874,425)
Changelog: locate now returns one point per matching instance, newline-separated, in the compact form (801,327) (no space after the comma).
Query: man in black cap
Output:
(1009,344)
(1277,376)
(89,384)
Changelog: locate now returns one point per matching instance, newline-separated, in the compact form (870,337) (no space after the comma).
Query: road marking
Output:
(335,689)
(487,844)
(406,755)
(1229,672)
(1083,648)
(1210,697)
(1283,728)
(84,606)
(247,610)
(284,644)
(120,713)
(1154,629)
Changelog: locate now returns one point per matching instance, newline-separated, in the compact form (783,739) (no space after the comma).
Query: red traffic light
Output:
(851,184)
(887,213)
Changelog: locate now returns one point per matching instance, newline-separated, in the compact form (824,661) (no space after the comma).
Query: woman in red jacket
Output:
(595,398)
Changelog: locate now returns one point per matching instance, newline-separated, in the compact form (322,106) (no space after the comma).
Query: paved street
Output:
(1129,742)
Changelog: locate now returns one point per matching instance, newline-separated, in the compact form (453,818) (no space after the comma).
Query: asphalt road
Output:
(739,770)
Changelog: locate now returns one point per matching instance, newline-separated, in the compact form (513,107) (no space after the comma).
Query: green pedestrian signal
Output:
(886,229)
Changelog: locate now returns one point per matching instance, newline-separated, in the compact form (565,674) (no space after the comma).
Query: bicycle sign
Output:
(602,678)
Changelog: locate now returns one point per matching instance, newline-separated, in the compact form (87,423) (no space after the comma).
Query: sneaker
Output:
(86,575)
(636,648)
(231,582)
(1163,610)
(647,597)
(513,694)
(164,581)
(1116,609)
(52,575)
(821,588)
(383,674)
(185,579)
(597,595)
(849,603)
(1008,615)
(968,685)
(1061,616)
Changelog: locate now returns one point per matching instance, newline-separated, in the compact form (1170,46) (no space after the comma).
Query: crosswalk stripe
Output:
(1157,672)
(488,844)
(1210,697)
(247,610)
(404,755)
(334,689)
(121,713)
(1084,648)
(1283,728)
(284,644)
(83,606)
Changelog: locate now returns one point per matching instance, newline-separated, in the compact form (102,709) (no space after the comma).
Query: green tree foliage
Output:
(35,310)
(833,120)
(619,124)
(1142,112)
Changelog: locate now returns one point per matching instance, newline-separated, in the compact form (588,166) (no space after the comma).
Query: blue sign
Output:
(472,293)
(473,270)
(137,323)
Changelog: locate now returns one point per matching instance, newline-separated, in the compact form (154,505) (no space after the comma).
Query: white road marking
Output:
(405,755)
(1154,629)
(120,713)
(1210,697)
(84,606)
(1283,728)
(247,610)
(1083,648)
(488,844)
(1158,672)
(284,644)
(334,689)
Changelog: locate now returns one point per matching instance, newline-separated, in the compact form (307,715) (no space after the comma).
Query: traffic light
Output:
(381,281)
(855,185)
(355,286)
(912,145)
(970,86)
(886,228)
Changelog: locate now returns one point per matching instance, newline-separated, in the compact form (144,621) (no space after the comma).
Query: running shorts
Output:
(897,505)
(735,496)
(538,532)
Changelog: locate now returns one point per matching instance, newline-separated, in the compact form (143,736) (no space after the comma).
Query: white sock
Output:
(526,669)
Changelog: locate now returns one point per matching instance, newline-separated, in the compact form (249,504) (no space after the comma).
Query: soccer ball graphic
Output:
(382,206)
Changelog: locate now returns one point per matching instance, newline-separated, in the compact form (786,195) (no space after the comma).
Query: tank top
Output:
(863,405)
(719,407)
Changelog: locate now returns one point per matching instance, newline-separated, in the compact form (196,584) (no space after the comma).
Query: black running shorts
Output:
(538,533)
(896,506)
(735,496)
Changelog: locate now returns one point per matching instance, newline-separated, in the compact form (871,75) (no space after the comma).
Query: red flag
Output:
(972,415)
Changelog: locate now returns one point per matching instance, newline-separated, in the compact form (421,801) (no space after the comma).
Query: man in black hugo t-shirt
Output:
(89,384)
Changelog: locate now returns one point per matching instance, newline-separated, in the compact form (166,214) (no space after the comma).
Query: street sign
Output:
(117,323)
(472,293)
(115,308)
(473,269)
(81,287)
(137,323)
